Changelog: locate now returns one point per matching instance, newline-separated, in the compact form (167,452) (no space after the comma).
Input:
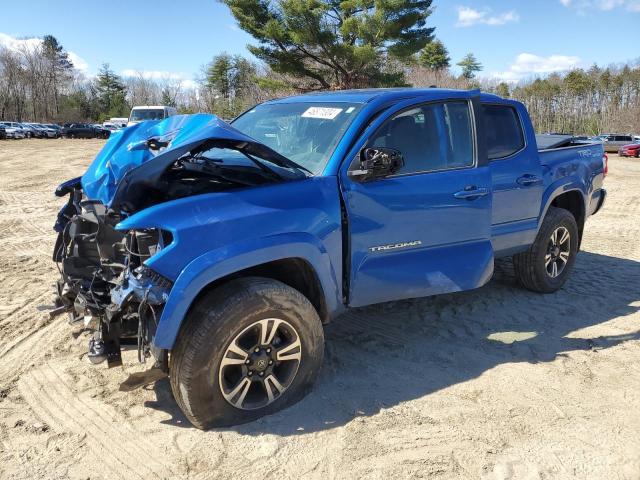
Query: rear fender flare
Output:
(222,262)
(561,186)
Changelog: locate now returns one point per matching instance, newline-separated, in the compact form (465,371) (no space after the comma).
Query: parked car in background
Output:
(13,130)
(3,133)
(55,127)
(77,130)
(631,150)
(45,132)
(613,141)
(84,130)
(30,131)
(120,122)
(102,132)
(112,127)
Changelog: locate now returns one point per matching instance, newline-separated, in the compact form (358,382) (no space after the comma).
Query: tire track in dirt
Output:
(27,351)
(111,440)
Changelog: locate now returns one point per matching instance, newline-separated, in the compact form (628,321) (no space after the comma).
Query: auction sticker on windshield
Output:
(325,113)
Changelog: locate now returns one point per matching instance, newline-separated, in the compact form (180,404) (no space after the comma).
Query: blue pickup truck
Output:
(222,249)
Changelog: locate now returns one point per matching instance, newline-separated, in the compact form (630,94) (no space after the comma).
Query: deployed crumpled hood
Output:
(127,150)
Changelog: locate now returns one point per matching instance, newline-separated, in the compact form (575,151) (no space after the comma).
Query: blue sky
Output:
(512,39)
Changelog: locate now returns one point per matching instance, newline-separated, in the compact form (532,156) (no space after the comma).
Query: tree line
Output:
(304,46)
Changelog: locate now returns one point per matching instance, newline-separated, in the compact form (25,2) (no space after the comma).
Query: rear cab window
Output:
(504,133)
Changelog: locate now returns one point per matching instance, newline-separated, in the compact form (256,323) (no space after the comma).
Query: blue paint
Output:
(218,234)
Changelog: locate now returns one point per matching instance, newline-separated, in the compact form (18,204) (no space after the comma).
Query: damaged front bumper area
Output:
(103,279)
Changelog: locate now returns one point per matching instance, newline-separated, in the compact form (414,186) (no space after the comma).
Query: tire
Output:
(531,267)
(229,316)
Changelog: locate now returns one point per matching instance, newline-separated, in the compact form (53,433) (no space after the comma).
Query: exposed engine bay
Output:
(104,281)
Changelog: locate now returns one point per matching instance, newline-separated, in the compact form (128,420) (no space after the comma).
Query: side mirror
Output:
(377,162)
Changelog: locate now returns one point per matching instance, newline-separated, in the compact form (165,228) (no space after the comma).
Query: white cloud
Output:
(604,5)
(528,65)
(159,75)
(78,62)
(20,44)
(468,16)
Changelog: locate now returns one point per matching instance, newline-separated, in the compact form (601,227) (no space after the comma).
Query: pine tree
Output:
(335,44)
(111,93)
(502,90)
(60,67)
(470,66)
(434,56)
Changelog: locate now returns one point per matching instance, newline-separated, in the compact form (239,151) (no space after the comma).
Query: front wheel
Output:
(546,265)
(249,348)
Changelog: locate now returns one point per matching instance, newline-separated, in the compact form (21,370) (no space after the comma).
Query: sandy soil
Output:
(495,383)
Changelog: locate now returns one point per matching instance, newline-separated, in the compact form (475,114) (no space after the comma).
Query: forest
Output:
(41,84)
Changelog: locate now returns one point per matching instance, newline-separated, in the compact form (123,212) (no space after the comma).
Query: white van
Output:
(145,112)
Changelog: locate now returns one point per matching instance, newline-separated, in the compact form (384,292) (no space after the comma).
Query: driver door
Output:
(426,229)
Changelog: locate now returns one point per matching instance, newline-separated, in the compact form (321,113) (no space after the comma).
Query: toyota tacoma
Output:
(222,249)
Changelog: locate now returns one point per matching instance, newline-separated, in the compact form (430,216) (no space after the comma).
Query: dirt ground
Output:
(496,383)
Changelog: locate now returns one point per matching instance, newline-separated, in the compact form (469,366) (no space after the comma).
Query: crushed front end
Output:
(103,280)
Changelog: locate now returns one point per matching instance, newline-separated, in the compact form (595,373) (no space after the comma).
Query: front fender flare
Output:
(224,261)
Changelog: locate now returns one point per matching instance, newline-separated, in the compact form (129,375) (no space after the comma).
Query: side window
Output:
(503,129)
(432,137)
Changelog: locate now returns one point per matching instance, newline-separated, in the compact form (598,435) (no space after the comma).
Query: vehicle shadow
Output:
(380,356)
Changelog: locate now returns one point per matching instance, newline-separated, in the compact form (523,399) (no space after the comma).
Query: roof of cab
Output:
(367,95)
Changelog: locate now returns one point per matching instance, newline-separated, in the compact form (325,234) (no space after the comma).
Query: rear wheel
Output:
(248,349)
(546,265)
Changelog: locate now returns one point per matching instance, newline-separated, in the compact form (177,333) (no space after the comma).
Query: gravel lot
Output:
(495,383)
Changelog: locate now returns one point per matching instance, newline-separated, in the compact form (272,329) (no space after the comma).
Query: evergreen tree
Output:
(167,98)
(434,56)
(470,66)
(59,68)
(111,93)
(219,75)
(230,76)
(503,90)
(335,44)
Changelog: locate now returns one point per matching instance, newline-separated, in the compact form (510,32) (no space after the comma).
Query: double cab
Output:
(222,249)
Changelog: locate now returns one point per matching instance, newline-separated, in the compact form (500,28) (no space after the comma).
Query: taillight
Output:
(605,164)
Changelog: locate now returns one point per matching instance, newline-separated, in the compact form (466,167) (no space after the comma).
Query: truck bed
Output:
(567,162)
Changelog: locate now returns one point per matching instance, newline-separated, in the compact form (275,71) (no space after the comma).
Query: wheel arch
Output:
(573,201)
(300,265)
(572,198)
(295,272)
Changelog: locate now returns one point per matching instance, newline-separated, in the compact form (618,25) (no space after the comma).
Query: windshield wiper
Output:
(280,160)
(263,166)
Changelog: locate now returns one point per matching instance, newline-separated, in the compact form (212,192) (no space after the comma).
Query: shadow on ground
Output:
(379,356)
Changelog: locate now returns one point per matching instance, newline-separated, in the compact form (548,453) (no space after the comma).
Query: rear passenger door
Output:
(516,175)
(425,229)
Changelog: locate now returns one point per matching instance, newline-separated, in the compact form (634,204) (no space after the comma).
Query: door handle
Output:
(471,193)
(529,180)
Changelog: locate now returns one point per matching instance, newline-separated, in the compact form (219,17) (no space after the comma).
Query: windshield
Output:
(146,114)
(306,133)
